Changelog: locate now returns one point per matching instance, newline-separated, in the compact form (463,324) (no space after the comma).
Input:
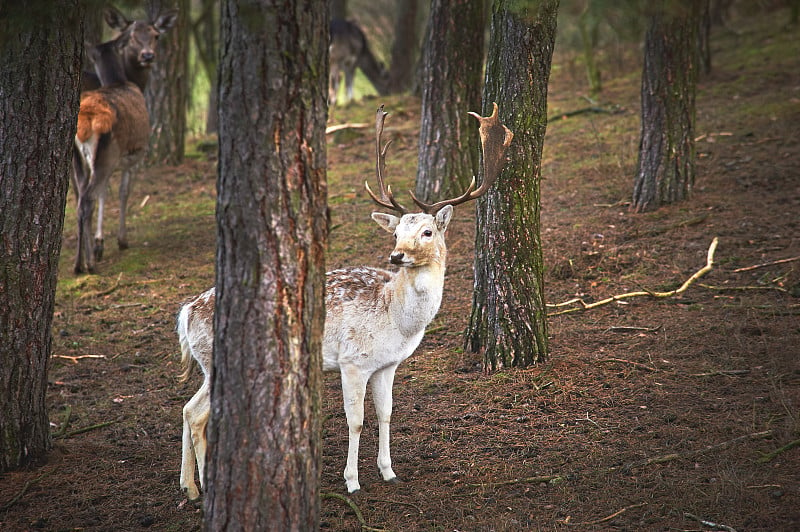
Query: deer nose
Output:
(147,57)
(397,258)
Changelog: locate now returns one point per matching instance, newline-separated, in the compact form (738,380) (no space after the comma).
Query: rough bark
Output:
(665,170)
(167,93)
(449,148)
(508,320)
(263,433)
(41,50)
(404,48)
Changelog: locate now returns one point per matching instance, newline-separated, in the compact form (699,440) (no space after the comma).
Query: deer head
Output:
(420,236)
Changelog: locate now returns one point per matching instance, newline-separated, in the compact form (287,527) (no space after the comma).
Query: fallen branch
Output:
(706,522)
(339,127)
(76,358)
(526,480)
(607,518)
(21,493)
(353,506)
(67,417)
(590,109)
(623,329)
(659,295)
(765,264)
(88,429)
(769,456)
(724,372)
(741,288)
(100,293)
(631,362)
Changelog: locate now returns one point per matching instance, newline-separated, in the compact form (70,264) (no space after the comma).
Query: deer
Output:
(375,318)
(126,59)
(348,49)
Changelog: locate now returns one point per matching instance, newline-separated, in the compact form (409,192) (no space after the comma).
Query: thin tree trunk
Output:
(167,93)
(665,171)
(405,47)
(508,321)
(264,429)
(451,87)
(40,70)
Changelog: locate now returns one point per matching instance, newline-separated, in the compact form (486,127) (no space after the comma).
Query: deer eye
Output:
(427,233)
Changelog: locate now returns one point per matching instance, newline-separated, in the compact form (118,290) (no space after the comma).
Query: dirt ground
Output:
(651,414)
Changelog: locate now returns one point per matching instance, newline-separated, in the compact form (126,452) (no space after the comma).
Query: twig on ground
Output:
(21,493)
(76,358)
(67,417)
(608,517)
(88,429)
(622,329)
(105,292)
(526,480)
(339,127)
(631,362)
(699,273)
(706,522)
(741,288)
(353,506)
(769,456)
(726,372)
(765,264)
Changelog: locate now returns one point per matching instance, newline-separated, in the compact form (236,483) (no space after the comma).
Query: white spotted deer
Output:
(349,50)
(113,124)
(375,318)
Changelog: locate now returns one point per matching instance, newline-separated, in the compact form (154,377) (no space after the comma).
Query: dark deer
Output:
(118,63)
(348,50)
(374,320)
(139,52)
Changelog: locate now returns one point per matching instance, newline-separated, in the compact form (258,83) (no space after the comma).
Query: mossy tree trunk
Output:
(665,170)
(452,68)
(508,320)
(264,428)
(41,49)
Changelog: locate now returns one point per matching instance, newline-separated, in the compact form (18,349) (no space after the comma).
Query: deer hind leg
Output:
(354,386)
(124,192)
(349,76)
(382,397)
(98,232)
(195,422)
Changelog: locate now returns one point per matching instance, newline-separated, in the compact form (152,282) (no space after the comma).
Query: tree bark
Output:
(452,67)
(404,49)
(508,320)
(665,170)
(264,429)
(41,50)
(167,93)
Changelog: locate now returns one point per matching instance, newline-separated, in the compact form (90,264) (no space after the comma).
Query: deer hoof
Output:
(394,480)
(123,244)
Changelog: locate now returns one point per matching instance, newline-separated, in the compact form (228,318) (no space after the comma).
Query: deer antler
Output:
(495,139)
(387,198)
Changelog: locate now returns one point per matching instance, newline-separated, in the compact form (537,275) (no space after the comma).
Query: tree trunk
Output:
(40,70)
(264,429)
(167,93)
(508,321)
(404,48)
(205,31)
(451,87)
(665,171)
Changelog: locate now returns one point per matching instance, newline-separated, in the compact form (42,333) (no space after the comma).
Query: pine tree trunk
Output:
(452,67)
(40,70)
(167,93)
(508,321)
(665,171)
(404,48)
(264,429)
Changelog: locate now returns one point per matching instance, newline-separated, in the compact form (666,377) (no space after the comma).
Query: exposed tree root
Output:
(353,506)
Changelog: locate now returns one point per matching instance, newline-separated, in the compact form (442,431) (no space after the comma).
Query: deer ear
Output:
(115,19)
(387,221)
(443,217)
(166,20)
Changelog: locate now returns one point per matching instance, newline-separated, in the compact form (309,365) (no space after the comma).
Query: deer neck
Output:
(415,295)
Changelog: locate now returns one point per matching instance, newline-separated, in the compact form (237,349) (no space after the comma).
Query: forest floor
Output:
(650,414)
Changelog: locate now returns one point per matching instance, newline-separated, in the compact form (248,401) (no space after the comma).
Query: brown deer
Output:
(349,49)
(374,319)
(121,65)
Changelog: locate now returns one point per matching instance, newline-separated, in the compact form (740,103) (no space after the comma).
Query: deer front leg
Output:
(195,421)
(354,387)
(382,397)
(84,261)
(98,232)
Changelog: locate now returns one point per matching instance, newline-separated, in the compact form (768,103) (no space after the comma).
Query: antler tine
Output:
(387,198)
(495,139)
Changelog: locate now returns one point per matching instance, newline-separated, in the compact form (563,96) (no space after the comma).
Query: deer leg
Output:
(124,190)
(349,76)
(195,421)
(84,261)
(382,397)
(354,386)
(98,232)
